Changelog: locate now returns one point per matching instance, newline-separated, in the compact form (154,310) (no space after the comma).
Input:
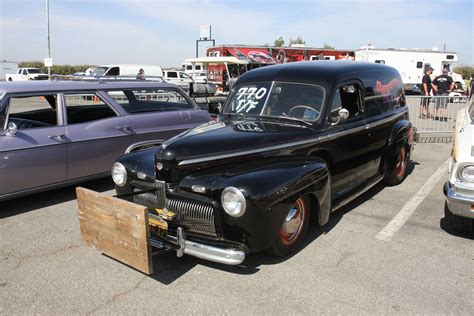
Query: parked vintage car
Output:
(55,133)
(459,189)
(294,142)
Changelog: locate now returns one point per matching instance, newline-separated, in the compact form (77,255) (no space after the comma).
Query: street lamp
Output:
(48,61)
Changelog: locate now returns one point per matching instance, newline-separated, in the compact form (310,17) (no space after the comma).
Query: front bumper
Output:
(460,204)
(229,256)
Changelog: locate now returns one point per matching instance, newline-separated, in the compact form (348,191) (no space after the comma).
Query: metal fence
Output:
(434,115)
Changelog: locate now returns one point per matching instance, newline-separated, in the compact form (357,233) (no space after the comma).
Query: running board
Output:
(357,194)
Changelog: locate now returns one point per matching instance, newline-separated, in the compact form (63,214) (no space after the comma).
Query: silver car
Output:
(58,133)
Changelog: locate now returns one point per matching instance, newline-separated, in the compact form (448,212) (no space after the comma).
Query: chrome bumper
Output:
(458,204)
(229,256)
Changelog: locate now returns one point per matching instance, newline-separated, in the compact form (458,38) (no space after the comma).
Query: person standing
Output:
(141,74)
(443,85)
(425,92)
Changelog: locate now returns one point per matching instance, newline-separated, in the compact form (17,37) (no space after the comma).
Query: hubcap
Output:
(293,224)
(401,162)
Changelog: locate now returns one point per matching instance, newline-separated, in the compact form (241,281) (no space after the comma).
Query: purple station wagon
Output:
(57,133)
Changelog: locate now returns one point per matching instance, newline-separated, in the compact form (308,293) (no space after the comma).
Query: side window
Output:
(419,65)
(24,72)
(197,67)
(172,74)
(154,100)
(185,76)
(86,107)
(347,97)
(114,71)
(33,111)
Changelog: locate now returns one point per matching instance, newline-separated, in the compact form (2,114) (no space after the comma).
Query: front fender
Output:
(270,187)
(142,161)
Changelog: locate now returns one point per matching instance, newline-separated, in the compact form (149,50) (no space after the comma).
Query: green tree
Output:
(279,42)
(465,71)
(327,46)
(298,40)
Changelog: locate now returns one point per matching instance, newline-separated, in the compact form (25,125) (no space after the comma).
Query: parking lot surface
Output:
(345,267)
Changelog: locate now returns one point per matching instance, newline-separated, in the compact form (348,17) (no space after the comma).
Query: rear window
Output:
(150,100)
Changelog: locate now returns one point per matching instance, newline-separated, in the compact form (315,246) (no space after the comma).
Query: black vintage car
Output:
(293,143)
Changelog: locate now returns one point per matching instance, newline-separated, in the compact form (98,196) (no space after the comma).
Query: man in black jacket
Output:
(442,85)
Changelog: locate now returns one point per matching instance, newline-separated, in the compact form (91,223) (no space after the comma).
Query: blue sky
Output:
(164,32)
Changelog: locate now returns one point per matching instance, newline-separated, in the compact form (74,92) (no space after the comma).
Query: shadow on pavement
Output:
(169,268)
(48,198)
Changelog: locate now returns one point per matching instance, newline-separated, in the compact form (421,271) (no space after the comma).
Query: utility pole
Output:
(49,40)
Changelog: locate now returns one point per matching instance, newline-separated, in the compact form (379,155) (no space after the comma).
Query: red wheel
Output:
(293,228)
(395,175)
(401,162)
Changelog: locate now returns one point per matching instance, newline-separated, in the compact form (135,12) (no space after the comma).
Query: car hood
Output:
(229,139)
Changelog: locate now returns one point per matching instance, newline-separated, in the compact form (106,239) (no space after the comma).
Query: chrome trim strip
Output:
(282,146)
(144,143)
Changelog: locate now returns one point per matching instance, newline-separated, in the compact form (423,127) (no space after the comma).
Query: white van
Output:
(127,70)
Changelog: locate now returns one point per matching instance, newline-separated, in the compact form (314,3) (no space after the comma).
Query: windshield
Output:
(288,100)
(34,71)
(99,71)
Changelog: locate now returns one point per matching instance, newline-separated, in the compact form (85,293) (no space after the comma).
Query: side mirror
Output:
(343,114)
(11,129)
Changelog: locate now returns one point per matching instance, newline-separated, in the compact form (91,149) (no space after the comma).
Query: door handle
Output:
(126,130)
(60,139)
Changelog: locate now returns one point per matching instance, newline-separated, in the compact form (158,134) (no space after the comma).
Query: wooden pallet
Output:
(115,227)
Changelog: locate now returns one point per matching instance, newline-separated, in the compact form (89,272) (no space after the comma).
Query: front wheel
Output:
(293,229)
(396,174)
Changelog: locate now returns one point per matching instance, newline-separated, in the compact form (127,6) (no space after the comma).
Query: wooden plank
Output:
(115,227)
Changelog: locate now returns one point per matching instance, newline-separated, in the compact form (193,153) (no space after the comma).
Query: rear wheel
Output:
(293,229)
(399,170)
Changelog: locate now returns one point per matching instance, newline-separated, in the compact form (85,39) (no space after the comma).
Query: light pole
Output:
(49,41)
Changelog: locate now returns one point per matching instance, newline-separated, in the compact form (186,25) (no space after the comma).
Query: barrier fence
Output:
(434,115)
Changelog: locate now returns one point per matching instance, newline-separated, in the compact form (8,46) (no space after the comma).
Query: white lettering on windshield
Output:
(248,98)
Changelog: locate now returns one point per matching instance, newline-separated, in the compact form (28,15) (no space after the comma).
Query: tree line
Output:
(56,69)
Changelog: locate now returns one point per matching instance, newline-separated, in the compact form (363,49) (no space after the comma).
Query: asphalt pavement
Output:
(423,268)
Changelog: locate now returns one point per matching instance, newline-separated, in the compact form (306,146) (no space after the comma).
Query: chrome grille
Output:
(197,217)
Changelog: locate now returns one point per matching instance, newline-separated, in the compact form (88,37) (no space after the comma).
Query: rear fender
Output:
(402,133)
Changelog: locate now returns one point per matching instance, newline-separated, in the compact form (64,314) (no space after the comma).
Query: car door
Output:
(348,142)
(35,155)
(158,113)
(379,121)
(97,134)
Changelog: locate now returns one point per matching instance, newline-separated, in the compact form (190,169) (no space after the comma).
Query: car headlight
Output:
(233,202)
(467,174)
(119,174)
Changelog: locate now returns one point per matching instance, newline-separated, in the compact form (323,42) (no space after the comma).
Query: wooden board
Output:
(115,227)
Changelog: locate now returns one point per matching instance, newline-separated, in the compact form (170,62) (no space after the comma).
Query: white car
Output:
(459,189)
(25,74)
(179,78)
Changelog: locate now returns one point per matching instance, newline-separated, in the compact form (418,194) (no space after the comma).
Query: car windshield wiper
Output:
(285,118)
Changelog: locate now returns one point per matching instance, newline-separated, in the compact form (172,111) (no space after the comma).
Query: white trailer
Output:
(410,63)
(7,67)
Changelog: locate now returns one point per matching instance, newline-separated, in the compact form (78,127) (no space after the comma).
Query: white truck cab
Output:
(24,74)
(179,78)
